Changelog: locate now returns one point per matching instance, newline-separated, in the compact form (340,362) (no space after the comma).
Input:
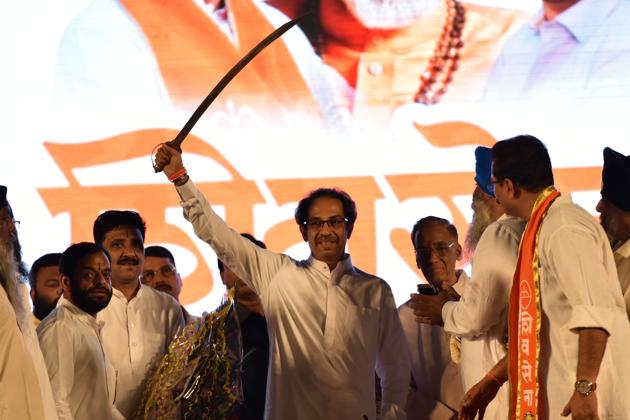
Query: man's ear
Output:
(303,232)
(32,293)
(510,188)
(458,250)
(349,230)
(65,283)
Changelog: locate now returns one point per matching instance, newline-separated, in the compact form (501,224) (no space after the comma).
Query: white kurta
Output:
(580,289)
(328,330)
(83,380)
(136,334)
(27,327)
(439,391)
(622,260)
(480,316)
(19,396)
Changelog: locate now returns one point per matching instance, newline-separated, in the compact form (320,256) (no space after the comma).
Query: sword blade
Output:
(225,80)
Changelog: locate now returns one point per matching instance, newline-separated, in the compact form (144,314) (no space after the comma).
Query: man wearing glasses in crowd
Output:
(437,384)
(160,272)
(330,324)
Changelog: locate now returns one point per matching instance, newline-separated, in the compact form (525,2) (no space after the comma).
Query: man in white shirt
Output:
(570,50)
(45,283)
(83,381)
(139,322)
(480,316)
(579,322)
(25,391)
(160,272)
(614,209)
(437,384)
(330,324)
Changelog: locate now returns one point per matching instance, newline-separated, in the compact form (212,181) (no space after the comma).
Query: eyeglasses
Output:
(440,249)
(16,223)
(318,224)
(166,271)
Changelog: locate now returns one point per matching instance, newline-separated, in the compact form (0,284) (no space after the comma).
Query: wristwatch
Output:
(585,387)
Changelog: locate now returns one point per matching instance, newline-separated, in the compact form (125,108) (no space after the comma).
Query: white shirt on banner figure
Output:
(576,57)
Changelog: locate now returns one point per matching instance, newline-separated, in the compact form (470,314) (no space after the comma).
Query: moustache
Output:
(163,287)
(128,260)
(98,289)
(328,237)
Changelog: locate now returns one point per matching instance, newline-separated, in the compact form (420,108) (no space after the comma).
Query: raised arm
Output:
(485,299)
(254,265)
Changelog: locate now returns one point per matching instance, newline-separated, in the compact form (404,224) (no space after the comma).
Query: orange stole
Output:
(524,319)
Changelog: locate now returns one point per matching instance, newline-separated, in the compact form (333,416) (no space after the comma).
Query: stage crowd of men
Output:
(536,331)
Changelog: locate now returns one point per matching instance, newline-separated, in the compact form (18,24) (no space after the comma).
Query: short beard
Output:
(388,14)
(82,301)
(480,222)
(41,309)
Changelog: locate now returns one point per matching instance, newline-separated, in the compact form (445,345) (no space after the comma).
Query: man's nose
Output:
(599,205)
(129,249)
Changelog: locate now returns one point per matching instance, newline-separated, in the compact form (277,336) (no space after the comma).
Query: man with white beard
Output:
(25,391)
(480,316)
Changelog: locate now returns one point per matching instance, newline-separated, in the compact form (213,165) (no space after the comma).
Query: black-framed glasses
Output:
(334,223)
(166,271)
(440,249)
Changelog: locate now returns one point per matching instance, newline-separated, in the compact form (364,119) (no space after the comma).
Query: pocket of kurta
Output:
(359,326)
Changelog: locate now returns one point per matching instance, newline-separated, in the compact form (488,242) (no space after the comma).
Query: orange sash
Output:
(525,318)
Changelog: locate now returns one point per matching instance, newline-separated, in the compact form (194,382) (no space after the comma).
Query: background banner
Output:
(89,87)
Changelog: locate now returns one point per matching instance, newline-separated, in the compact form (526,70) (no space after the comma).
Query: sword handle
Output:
(175,144)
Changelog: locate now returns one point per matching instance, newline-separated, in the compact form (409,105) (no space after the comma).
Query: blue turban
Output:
(483,169)
(616,179)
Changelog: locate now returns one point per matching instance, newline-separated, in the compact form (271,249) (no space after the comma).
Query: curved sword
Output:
(176,143)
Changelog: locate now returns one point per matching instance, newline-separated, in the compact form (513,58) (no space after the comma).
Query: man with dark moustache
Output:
(568,328)
(614,209)
(82,379)
(330,324)
(139,322)
(160,272)
(45,282)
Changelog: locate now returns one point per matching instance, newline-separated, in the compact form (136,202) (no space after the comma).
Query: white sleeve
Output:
(57,344)
(393,364)
(487,293)
(575,258)
(254,265)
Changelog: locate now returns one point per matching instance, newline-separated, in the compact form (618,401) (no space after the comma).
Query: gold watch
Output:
(585,387)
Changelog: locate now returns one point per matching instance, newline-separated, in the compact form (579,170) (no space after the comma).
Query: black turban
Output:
(616,179)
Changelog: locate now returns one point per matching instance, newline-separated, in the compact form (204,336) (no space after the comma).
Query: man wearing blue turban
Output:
(480,316)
